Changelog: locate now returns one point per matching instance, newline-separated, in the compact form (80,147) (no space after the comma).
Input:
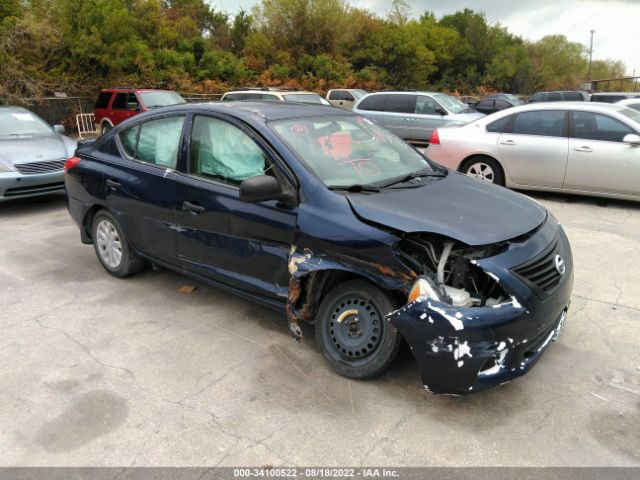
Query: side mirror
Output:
(59,129)
(632,139)
(440,110)
(259,189)
(133,107)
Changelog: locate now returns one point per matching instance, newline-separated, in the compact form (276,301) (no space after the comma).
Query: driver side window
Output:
(223,152)
(426,105)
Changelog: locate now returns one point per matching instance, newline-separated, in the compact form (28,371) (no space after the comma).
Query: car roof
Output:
(124,89)
(273,92)
(407,92)
(600,106)
(265,111)
(635,94)
(12,108)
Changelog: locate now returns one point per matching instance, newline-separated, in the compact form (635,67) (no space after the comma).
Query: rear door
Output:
(599,161)
(373,107)
(534,152)
(140,185)
(245,245)
(400,116)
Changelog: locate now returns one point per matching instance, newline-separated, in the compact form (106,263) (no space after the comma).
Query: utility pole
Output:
(590,57)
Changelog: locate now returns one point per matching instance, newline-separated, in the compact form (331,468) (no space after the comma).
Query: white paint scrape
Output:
(453,320)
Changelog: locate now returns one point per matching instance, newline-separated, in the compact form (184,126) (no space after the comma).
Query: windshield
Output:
(348,150)
(305,98)
(22,123)
(161,99)
(451,103)
(632,114)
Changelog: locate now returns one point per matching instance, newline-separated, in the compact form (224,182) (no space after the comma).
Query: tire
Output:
(363,344)
(111,246)
(484,169)
(105,128)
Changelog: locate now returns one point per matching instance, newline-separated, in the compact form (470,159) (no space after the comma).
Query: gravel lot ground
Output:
(100,371)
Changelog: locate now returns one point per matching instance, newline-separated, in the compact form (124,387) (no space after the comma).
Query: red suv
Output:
(114,105)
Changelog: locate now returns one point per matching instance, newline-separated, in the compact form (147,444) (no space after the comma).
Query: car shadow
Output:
(11,208)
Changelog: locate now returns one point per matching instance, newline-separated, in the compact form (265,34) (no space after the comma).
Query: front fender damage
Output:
(308,270)
(456,347)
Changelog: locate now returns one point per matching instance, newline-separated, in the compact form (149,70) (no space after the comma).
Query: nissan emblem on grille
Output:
(560,264)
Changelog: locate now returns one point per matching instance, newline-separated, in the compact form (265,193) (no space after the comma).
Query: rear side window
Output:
(538,97)
(548,123)
(336,95)
(155,141)
(501,105)
(573,96)
(398,103)
(501,125)
(232,96)
(554,97)
(373,103)
(103,100)
(485,104)
(120,102)
(595,126)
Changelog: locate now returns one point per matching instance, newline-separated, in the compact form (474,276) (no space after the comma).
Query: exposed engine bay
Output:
(449,272)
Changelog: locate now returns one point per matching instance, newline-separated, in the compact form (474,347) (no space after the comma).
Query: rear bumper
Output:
(15,185)
(461,350)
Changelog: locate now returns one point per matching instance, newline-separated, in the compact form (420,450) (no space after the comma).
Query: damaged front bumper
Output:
(460,350)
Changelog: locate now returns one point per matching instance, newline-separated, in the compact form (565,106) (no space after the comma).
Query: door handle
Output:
(112,183)
(193,208)
(507,142)
(584,148)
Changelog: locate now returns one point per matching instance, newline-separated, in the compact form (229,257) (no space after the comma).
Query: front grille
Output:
(36,189)
(34,168)
(541,272)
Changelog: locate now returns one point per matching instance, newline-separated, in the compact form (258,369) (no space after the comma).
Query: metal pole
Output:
(591,55)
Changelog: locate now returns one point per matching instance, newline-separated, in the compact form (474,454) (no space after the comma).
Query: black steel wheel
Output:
(352,332)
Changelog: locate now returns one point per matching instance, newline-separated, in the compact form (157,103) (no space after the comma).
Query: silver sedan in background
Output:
(573,147)
(32,155)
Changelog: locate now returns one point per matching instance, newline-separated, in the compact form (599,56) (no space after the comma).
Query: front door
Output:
(426,118)
(245,245)
(535,152)
(599,161)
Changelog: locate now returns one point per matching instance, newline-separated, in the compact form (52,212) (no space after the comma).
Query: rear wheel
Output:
(112,248)
(483,168)
(352,332)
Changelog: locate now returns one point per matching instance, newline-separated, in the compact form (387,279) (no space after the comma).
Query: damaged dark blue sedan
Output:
(326,216)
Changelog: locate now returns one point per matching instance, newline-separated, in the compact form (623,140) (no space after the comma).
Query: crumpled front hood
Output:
(457,206)
(35,148)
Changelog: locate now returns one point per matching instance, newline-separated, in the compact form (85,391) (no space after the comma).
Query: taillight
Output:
(70,163)
(435,138)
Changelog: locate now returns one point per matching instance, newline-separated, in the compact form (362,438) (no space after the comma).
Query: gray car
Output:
(573,147)
(32,155)
(414,115)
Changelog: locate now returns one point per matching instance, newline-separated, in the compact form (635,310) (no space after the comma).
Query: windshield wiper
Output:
(411,176)
(355,188)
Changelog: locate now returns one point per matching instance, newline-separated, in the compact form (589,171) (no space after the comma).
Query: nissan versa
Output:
(328,217)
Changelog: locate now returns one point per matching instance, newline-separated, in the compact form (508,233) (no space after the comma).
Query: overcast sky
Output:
(615,21)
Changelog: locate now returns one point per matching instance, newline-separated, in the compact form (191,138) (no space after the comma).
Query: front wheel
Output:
(352,332)
(485,169)
(112,248)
